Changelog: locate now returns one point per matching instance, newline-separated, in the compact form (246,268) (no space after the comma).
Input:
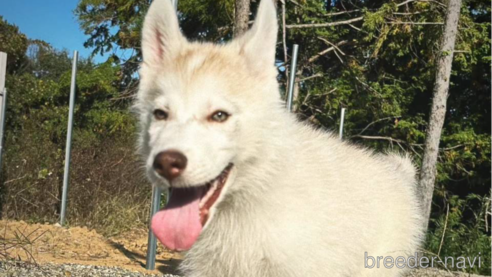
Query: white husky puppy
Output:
(255,192)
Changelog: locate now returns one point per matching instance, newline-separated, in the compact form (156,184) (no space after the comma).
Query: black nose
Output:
(170,164)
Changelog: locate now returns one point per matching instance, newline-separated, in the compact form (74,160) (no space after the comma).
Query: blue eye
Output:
(219,116)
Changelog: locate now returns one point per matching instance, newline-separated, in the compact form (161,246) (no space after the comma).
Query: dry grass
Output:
(108,191)
(18,247)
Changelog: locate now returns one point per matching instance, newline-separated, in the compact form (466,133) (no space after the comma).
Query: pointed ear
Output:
(160,35)
(259,43)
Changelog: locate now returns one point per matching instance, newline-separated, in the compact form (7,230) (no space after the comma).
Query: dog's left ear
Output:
(259,43)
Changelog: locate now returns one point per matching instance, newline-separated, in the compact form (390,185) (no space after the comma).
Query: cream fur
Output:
(298,202)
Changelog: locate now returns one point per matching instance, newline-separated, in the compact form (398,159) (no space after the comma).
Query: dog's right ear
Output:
(161,36)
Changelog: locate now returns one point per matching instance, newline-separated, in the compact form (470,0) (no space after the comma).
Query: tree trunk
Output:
(241,17)
(436,119)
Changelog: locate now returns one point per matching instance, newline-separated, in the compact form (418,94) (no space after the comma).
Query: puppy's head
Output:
(196,99)
(200,108)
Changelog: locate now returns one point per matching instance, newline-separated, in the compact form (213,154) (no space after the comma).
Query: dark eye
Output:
(219,116)
(160,114)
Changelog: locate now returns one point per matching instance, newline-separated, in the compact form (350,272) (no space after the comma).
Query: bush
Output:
(107,189)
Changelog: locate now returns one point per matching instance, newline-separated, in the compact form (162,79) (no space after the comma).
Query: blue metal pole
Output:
(152,242)
(69,140)
(292,78)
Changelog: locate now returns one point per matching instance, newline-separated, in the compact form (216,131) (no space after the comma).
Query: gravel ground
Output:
(20,269)
(10,269)
(432,272)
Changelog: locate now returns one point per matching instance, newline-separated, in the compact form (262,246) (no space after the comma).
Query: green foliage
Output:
(43,103)
(458,234)
(104,186)
(45,62)
(13,43)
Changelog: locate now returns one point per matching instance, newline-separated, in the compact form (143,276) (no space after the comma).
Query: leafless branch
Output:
(376,121)
(329,24)
(390,139)
(410,1)
(405,2)
(311,77)
(16,179)
(342,12)
(328,42)
(432,1)
(398,13)
(380,138)
(128,93)
(487,213)
(309,95)
(415,23)
(319,54)
(353,27)
(336,49)
(329,92)
(366,85)
(444,230)
(338,56)
(452,147)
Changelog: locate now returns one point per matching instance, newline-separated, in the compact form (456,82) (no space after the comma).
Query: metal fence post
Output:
(152,242)
(68,148)
(3,70)
(341,123)
(3,110)
(3,100)
(292,77)
(154,208)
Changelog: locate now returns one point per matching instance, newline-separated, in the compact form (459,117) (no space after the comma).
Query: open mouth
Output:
(179,224)
(213,190)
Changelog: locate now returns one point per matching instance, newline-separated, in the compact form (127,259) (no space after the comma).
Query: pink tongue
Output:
(178,225)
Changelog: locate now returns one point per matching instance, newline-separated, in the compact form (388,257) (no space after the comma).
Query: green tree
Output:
(45,62)
(13,43)
(35,133)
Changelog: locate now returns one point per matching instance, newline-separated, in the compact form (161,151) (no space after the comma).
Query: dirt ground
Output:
(43,243)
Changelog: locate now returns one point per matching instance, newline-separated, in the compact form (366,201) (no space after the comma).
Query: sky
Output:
(50,20)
